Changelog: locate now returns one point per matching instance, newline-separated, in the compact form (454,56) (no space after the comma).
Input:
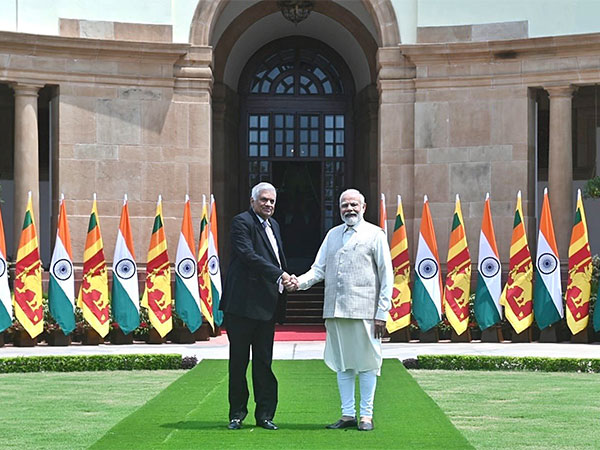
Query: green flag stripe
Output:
(217,314)
(424,310)
(544,309)
(60,306)
(157,224)
(28,220)
(517,219)
(398,222)
(455,222)
(185,306)
(124,311)
(93,222)
(486,312)
(5,319)
(577,216)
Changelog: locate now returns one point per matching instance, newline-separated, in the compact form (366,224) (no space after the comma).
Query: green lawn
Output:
(519,410)
(500,410)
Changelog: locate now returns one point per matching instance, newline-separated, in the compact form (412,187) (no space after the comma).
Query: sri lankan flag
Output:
(157,297)
(517,296)
(487,307)
(6,311)
(400,312)
(458,280)
(28,278)
(214,266)
(61,285)
(547,296)
(93,294)
(125,289)
(577,296)
(427,293)
(187,295)
(204,284)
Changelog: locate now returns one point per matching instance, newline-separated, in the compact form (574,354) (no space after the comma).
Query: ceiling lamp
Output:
(295,10)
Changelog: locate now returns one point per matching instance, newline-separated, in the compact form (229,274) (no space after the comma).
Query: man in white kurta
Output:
(354,260)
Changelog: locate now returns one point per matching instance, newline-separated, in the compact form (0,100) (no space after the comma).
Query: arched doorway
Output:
(296,131)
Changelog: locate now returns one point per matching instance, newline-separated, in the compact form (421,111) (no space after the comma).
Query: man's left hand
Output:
(379,328)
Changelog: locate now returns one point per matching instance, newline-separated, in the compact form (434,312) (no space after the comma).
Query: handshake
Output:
(290,282)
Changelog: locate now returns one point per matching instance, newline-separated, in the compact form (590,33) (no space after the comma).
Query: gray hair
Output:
(262,186)
(353,191)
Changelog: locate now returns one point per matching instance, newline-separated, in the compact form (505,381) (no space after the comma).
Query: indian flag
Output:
(157,296)
(577,296)
(214,266)
(93,295)
(383,214)
(457,290)
(427,293)
(28,300)
(547,296)
(187,296)
(204,284)
(487,307)
(399,316)
(517,296)
(125,289)
(6,311)
(61,285)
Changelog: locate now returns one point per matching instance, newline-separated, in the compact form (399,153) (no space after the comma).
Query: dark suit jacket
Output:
(251,283)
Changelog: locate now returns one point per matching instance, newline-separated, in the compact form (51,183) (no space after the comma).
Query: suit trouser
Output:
(243,334)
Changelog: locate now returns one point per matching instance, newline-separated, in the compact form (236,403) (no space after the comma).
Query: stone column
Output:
(560,165)
(26,160)
(396,149)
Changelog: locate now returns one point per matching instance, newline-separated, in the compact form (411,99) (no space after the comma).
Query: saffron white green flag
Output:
(427,291)
(214,267)
(125,288)
(61,284)
(187,294)
(488,310)
(547,295)
(6,311)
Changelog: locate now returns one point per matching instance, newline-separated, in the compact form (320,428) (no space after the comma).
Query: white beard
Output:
(352,220)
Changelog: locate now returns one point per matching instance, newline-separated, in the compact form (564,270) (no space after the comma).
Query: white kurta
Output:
(350,344)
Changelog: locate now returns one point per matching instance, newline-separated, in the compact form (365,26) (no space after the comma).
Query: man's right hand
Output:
(290,282)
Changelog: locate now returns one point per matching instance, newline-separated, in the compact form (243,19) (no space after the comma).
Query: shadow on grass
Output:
(218,426)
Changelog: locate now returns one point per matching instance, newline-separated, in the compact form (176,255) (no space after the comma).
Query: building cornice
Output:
(503,50)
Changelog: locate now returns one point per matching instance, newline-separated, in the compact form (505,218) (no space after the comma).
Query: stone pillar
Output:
(560,165)
(193,87)
(26,160)
(396,159)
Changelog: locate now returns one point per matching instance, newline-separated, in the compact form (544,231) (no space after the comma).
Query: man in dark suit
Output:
(253,300)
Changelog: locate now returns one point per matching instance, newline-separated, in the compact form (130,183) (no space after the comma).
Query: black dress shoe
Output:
(267,424)
(234,424)
(342,424)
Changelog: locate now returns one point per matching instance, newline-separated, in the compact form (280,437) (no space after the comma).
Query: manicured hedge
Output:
(537,364)
(80,363)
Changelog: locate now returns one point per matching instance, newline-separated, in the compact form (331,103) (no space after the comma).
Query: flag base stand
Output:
(1,338)
(21,338)
(203,333)
(216,332)
(401,335)
(492,334)
(91,337)
(57,338)
(117,337)
(523,336)
(181,335)
(548,335)
(463,337)
(154,337)
(429,336)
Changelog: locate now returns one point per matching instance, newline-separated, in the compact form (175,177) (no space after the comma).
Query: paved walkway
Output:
(218,348)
